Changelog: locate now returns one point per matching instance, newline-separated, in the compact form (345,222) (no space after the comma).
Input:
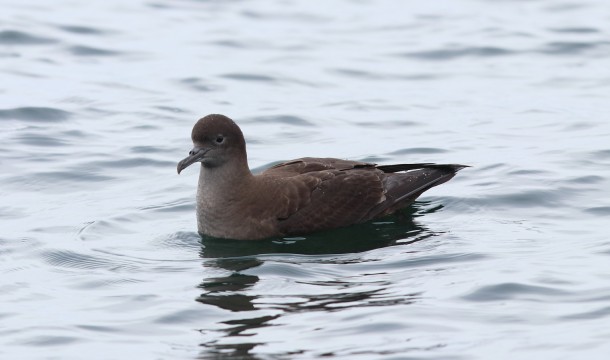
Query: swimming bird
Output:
(294,197)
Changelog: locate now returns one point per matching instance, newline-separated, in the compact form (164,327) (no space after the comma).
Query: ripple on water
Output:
(149,150)
(178,206)
(388,124)
(286,269)
(99,328)
(589,315)
(279,119)
(551,48)
(82,30)
(35,114)
(418,150)
(130,163)
(50,340)
(13,37)
(182,240)
(171,109)
(101,229)
(366,75)
(424,261)
(232,43)
(337,300)
(180,317)
(572,47)
(358,74)
(587,179)
(74,260)
(249,77)
(36,139)
(599,210)
(82,50)
(46,178)
(528,172)
(575,30)
(601,154)
(509,291)
(74,133)
(9,212)
(198,84)
(527,198)
(451,54)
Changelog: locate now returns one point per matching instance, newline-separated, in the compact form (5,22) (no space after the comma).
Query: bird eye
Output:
(220,139)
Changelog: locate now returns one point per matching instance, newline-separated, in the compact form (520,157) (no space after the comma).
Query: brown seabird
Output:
(295,197)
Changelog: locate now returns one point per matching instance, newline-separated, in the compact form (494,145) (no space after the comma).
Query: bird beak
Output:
(195,155)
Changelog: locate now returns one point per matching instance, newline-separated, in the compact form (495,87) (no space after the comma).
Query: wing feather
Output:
(322,193)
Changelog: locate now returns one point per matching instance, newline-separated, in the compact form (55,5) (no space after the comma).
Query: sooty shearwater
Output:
(295,197)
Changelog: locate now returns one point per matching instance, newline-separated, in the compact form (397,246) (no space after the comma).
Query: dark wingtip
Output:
(406,167)
(458,167)
(452,167)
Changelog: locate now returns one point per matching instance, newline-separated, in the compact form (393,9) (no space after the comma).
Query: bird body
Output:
(295,197)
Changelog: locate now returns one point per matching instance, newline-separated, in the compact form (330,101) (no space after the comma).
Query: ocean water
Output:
(99,254)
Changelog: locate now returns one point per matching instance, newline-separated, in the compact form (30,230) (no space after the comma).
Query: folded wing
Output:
(334,192)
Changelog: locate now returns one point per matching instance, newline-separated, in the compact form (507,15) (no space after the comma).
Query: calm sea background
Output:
(99,254)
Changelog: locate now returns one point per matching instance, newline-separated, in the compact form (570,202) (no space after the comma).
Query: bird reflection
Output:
(223,292)
(232,292)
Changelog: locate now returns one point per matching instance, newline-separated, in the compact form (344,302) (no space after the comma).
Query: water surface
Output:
(99,255)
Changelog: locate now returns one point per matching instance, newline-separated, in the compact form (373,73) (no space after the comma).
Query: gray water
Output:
(99,254)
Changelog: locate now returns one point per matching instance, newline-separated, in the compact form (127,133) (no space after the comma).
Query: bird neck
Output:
(224,180)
